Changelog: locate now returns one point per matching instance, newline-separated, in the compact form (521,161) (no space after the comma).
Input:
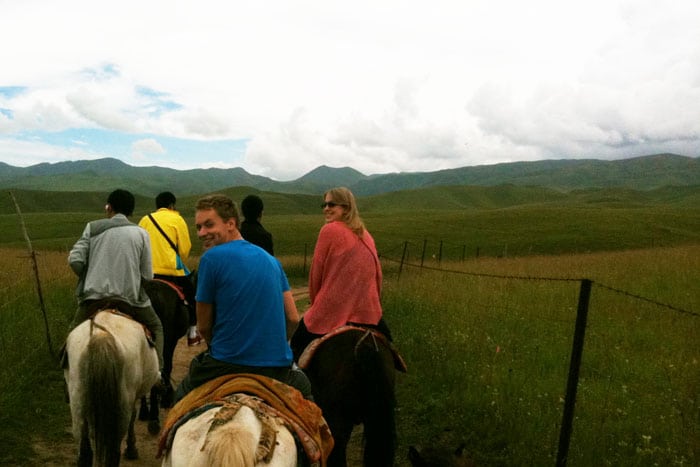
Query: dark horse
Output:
(174,316)
(352,374)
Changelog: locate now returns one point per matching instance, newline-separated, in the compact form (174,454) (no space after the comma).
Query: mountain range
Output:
(638,173)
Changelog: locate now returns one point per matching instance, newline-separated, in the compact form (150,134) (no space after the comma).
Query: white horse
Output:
(110,366)
(214,439)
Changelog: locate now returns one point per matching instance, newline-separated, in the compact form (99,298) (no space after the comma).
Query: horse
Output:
(110,366)
(202,441)
(174,316)
(352,374)
(244,420)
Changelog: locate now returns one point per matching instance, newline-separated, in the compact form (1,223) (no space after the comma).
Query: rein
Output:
(367,334)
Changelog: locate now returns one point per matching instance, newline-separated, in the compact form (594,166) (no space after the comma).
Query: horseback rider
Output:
(112,258)
(245,308)
(345,279)
(170,247)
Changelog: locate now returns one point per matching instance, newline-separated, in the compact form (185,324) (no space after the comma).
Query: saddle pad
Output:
(310,350)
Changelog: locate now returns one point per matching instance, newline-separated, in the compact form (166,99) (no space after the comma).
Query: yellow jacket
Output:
(163,255)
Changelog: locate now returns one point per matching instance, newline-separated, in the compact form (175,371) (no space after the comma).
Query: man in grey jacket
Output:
(111,258)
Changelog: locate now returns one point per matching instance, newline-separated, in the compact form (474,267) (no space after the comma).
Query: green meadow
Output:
(485,325)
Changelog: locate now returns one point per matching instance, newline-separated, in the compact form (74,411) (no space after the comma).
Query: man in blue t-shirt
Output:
(245,308)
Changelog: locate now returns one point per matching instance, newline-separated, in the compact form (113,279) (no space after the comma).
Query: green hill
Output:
(640,173)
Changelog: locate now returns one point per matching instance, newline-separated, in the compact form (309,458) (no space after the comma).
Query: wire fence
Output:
(401,262)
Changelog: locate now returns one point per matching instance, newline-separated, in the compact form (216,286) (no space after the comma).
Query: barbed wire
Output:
(552,279)
(484,274)
(645,299)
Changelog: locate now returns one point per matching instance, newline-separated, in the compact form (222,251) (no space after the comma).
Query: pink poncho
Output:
(344,281)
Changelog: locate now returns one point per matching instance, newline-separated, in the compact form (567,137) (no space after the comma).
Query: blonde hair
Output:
(351,215)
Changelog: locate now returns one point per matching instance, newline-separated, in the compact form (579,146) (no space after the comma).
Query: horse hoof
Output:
(154,427)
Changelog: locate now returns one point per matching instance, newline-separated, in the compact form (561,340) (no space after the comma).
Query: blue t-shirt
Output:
(245,286)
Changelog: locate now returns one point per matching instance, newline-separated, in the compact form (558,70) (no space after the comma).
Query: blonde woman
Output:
(346,277)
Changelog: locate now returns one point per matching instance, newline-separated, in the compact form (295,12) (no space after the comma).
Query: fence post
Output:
(574,367)
(422,256)
(39,292)
(464,252)
(440,253)
(403,258)
(305,250)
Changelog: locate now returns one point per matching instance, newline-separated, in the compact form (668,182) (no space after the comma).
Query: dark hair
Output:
(224,206)
(122,202)
(165,199)
(252,207)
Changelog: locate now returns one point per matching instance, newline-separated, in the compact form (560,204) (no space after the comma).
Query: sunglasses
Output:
(331,204)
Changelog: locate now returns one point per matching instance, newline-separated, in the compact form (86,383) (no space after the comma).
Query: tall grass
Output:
(488,358)
(31,383)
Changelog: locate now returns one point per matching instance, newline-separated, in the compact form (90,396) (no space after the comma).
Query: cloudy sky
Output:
(281,87)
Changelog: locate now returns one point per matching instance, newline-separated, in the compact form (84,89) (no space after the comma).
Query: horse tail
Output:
(230,445)
(376,375)
(101,371)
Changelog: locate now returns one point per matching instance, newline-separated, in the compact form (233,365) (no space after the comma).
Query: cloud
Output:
(144,148)
(17,152)
(281,88)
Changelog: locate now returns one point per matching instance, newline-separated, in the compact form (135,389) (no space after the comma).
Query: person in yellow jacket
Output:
(168,232)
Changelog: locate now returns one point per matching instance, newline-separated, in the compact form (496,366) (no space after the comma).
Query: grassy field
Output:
(487,342)
(489,356)
(486,336)
(453,222)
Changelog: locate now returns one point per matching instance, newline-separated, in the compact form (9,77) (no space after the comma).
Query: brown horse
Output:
(352,375)
(172,311)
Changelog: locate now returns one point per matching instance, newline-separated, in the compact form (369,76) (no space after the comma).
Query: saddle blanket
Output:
(303,416)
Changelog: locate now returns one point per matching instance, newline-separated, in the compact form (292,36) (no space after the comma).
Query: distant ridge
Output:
(638,173)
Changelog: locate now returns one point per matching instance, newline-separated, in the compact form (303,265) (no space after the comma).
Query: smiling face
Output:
(212,230)
(331,210)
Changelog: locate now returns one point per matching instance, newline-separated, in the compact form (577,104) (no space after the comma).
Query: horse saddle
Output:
(104,304)
(310,350)
(117,307)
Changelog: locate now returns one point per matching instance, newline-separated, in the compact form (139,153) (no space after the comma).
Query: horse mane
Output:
(231,446)
(101,375)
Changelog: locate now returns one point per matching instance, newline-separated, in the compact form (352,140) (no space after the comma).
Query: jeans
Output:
(204,368)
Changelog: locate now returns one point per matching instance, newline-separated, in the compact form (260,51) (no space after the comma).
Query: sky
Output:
(282,87)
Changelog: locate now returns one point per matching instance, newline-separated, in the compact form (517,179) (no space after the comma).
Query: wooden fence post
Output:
(39,292)
(422,256)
